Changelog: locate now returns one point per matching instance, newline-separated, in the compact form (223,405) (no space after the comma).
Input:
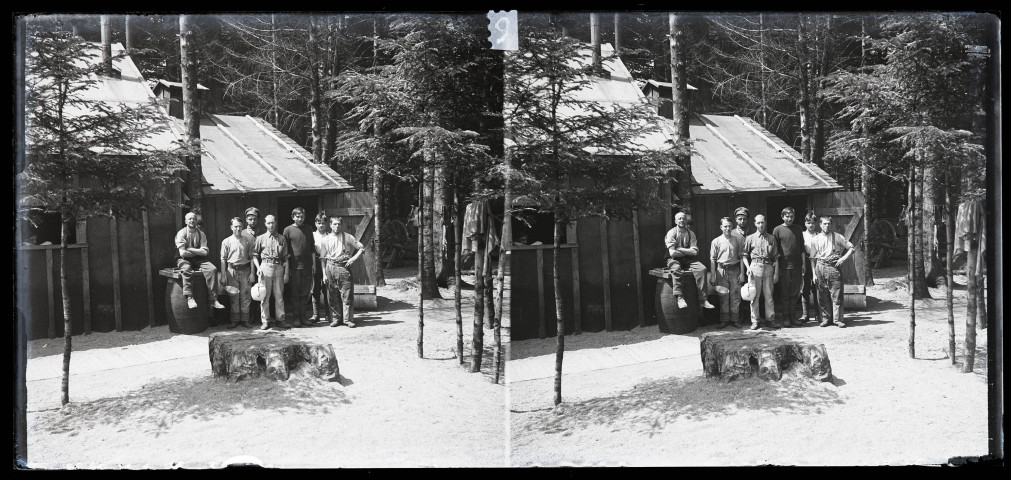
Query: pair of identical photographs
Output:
(522,132)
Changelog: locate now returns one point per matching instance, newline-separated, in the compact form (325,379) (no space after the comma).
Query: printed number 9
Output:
(502,25)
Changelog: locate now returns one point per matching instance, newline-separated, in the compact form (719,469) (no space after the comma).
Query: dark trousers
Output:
(340,292)
(790,284)
(320,297)
(830,292)
(189,266)
(299,288)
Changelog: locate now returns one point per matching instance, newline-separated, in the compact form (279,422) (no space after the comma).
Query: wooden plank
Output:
(117,304)
(49,290)
(854,289)
(607,274)
(86,287)
(353,212)
(638,267)
(147,268)
(542,329)
(834,212)
(577,315)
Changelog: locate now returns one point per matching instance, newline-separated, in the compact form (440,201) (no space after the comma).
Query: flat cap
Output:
(741,211)
(252,211)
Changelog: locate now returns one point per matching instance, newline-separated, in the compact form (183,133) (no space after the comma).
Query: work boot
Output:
(190,302)
(681,303)
(234,320)
(798,322)
(265,326)
(840,324)
(244,316)
(218,305)
(825,323)
(336,322)
(754,325)
(706,304)
(351,324)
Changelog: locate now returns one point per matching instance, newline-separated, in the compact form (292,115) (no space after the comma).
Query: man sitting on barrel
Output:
(682,251)
(191,244)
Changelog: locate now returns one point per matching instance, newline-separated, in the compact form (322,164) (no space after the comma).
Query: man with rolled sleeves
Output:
(725,259)
(759,256)
(237,265)
(301,254)
(270,258)
(682,254)
(828,251)
(790,245)
(812,227)
(338,251)
(253,229)
(191,246)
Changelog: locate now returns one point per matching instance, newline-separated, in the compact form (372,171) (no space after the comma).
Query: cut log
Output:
(239,355)
(730,355)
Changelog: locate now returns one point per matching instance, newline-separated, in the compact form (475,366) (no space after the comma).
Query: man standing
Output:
(790,244)
(191,245)
(828,251)
(811,229)
(725,258)
(741,230)
(759,257)
(320,307)
(338,252)
(236,263)
(270,258)
(301,255)
(682,251)
(253,229)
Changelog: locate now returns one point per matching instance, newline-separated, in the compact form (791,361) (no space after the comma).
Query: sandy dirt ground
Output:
(389,409)
(882,408)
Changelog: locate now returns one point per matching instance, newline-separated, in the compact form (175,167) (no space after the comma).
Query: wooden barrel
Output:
(181,318)
(670,318)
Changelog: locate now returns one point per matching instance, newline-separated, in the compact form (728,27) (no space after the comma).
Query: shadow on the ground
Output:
(156,407)
(95,340)
(384,304)
(651,406)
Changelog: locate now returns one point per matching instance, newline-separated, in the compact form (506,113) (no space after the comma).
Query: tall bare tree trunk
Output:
(763,107)
(477,339)
(949,272)
(378,190)
(595,42)
(67,324)
(920,275)
(931,228)
(457,294)
(489,286)
(128,32)
(421,269)
(444,225)
(911,261)
(428,282)
(275,108)
(497,361)
(617,34)
(106,31)
(315,92)
(980,286)
(191,113)
(560,318)
(972,265)
(679,99)
(866,189)
(804,102)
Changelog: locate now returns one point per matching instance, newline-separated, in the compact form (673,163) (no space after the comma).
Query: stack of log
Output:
(239,355)
(731,355)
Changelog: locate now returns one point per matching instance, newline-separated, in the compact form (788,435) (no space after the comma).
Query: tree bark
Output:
(489,286)
(595,42)
(865,187)
(477,339)
(971,308)
(457,285)
(443,226)
(275,108)
(421,269)
(679,99)
(428,282)
(317,117)
(106,31)
(497,361)
(916,231)
(949,272)
(378,192)
(931,219)
(911,261)
(560,323)
(128,32)
(67,324)
(617,34)
(804,102)
(191,112)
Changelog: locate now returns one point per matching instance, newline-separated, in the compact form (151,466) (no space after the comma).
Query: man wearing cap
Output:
(301,254)
(741,230)
(338,251)
(253,229)
(759,256)
(236,264)
(270,258)
(790,245)
(682,253)
(828,251)
(725,258)
(191,245)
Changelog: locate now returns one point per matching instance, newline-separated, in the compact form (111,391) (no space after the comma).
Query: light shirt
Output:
(824,246)
(339,247)
(271,247)
(186,239)
(236,251)
(759,246)
(681,239)
(726,250)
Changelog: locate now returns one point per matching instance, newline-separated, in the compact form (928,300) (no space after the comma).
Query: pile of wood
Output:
(239,355)
(730,355)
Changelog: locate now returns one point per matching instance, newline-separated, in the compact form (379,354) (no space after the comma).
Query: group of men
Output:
(308,263)
(798,262)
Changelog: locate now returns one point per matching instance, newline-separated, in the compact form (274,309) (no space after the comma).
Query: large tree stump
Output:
(731,355)
(239,355)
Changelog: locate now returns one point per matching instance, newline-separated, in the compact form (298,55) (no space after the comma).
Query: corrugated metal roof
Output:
(243,154)
(735,154)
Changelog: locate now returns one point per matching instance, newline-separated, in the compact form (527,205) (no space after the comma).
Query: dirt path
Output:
(390,409)
(883,408)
